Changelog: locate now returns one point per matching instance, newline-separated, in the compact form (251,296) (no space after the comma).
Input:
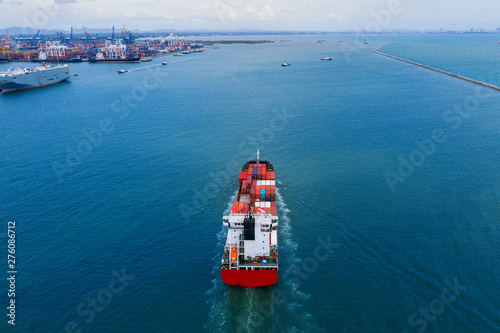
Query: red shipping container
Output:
(264,173)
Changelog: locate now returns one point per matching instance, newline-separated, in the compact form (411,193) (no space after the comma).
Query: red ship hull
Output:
(249,278)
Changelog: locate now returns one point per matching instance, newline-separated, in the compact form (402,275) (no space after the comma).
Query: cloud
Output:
(335,16)
(262,13)
(65,1)
(16,3)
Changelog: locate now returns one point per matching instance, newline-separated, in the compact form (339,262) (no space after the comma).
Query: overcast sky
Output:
(324,15)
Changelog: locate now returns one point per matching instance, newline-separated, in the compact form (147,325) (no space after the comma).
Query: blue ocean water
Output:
(388,189)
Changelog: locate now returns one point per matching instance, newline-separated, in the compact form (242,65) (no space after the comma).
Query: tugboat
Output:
(326,58)
(164,62)
(250,256)
(121,71)
(285,64)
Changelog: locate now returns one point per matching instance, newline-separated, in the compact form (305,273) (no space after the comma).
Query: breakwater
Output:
(484,84)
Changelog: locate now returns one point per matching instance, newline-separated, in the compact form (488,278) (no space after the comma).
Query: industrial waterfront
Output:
(122,47)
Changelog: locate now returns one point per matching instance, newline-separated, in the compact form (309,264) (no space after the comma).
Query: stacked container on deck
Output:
(259,183)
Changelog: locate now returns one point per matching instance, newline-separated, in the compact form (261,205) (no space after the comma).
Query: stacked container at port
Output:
(258,185)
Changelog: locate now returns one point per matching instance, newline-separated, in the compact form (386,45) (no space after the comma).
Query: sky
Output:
(305,15)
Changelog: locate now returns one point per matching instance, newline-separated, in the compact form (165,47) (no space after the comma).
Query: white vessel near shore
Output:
(28,78)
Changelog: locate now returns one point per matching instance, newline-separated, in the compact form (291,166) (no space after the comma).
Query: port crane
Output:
(128,38)
(87,37)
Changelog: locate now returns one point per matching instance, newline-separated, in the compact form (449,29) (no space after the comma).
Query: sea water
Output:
(388,189)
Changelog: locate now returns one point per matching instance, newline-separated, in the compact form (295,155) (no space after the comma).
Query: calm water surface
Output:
(388,189)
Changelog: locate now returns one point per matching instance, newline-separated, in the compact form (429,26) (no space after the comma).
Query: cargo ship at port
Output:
(250,256)
(28,78)
(54,52)
(114,53)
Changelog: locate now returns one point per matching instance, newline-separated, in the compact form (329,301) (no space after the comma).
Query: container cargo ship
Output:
(250,256)
(28,78)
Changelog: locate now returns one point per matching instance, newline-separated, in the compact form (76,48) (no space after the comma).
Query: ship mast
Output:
(258,154)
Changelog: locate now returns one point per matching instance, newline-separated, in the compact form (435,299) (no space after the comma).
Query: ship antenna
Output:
(258,153)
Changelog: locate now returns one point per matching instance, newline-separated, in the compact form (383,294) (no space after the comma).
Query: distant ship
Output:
(250,256)
(326,58)
(54,52)
(58,60)
(114,53)
(28,78)
(285,64)
(100,59)
(4,59)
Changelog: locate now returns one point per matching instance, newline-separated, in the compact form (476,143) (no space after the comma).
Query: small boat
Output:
(178,54)
(285,64)
(145,59)
(164,62)
(365,42)
(121,71)
(326,58)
